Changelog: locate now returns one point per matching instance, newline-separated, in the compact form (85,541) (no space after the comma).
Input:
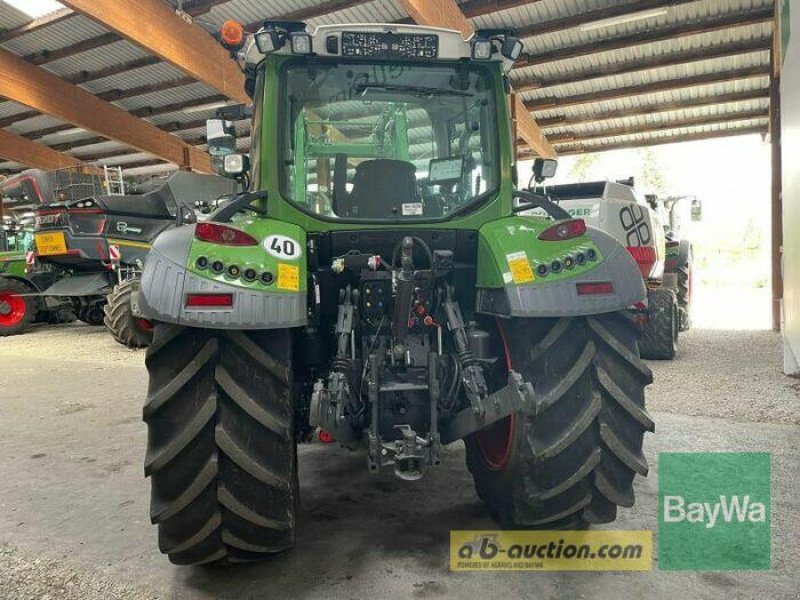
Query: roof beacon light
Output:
(301,42)
(481,49)
(232,35)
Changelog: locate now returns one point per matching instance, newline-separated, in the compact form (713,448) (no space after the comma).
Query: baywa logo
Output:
(714,511)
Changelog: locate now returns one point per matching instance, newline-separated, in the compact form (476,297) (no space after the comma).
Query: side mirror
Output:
(544,168)
(221,138)
(697,210)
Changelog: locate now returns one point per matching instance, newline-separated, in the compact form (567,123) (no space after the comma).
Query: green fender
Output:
(520,275)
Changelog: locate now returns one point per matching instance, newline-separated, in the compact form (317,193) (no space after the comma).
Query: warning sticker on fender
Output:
(288,277)
(521,271)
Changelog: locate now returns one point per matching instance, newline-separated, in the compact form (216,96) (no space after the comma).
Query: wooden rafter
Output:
(36,24)
(168,36)
(41,90)
(16,148)
(447,14)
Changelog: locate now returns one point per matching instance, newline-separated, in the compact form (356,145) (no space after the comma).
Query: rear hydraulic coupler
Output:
(472,376)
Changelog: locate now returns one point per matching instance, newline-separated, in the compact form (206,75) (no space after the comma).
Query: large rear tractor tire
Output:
(221,451)
(660,334)
(684,291)
(18,307)
(127,329)
(571,460)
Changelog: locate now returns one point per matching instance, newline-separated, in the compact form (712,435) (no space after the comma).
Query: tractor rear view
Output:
(376,287)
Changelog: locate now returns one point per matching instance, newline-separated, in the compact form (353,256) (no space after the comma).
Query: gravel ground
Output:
(729,374)
(26,577)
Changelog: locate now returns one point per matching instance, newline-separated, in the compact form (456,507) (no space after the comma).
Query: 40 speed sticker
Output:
(283,247)
(551,550)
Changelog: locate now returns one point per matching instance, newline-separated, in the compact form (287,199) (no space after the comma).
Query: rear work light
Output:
(564,230)
(645,257)
(209,300)
(222,234)
(595,288)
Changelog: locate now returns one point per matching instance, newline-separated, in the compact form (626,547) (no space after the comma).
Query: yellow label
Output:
(51,243)
(521,271)
(551,550)
(288,277)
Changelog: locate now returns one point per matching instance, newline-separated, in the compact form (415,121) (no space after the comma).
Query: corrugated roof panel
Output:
(138,77)
(696,11)
(58,35)
(710,40)
(179,94)
(725,111)
(680,131)
(717,65)
(9,109)
(381,11)
(11,17)
(658,98)
(98,58)
(36,123)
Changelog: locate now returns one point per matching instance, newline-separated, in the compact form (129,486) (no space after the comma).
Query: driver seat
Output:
(380,188)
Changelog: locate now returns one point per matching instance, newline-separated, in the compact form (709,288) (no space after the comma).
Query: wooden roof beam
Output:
(168,36)
(447,14)
(651,88)
(38,156)
(41,90)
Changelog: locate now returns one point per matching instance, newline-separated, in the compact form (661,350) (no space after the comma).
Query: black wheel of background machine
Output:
(572,460)
(92,314)
(684,290)
(127,329)
(221,450)
(660,334)
(17,307)
(60,315)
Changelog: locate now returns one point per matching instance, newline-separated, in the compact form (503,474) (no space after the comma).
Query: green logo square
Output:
(714,511)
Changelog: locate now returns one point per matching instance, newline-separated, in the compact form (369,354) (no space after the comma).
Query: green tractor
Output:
(375,287)
(21,283)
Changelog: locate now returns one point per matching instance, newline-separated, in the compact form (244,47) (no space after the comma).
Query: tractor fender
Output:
(523,292)
(167,280)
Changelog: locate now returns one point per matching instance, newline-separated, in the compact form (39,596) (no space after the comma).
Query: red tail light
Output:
(645,257)
(595,288)
(222,234)
(209,300)
(564,230)
(325,436)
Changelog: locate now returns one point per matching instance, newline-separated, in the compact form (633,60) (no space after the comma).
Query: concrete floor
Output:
(74,504)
